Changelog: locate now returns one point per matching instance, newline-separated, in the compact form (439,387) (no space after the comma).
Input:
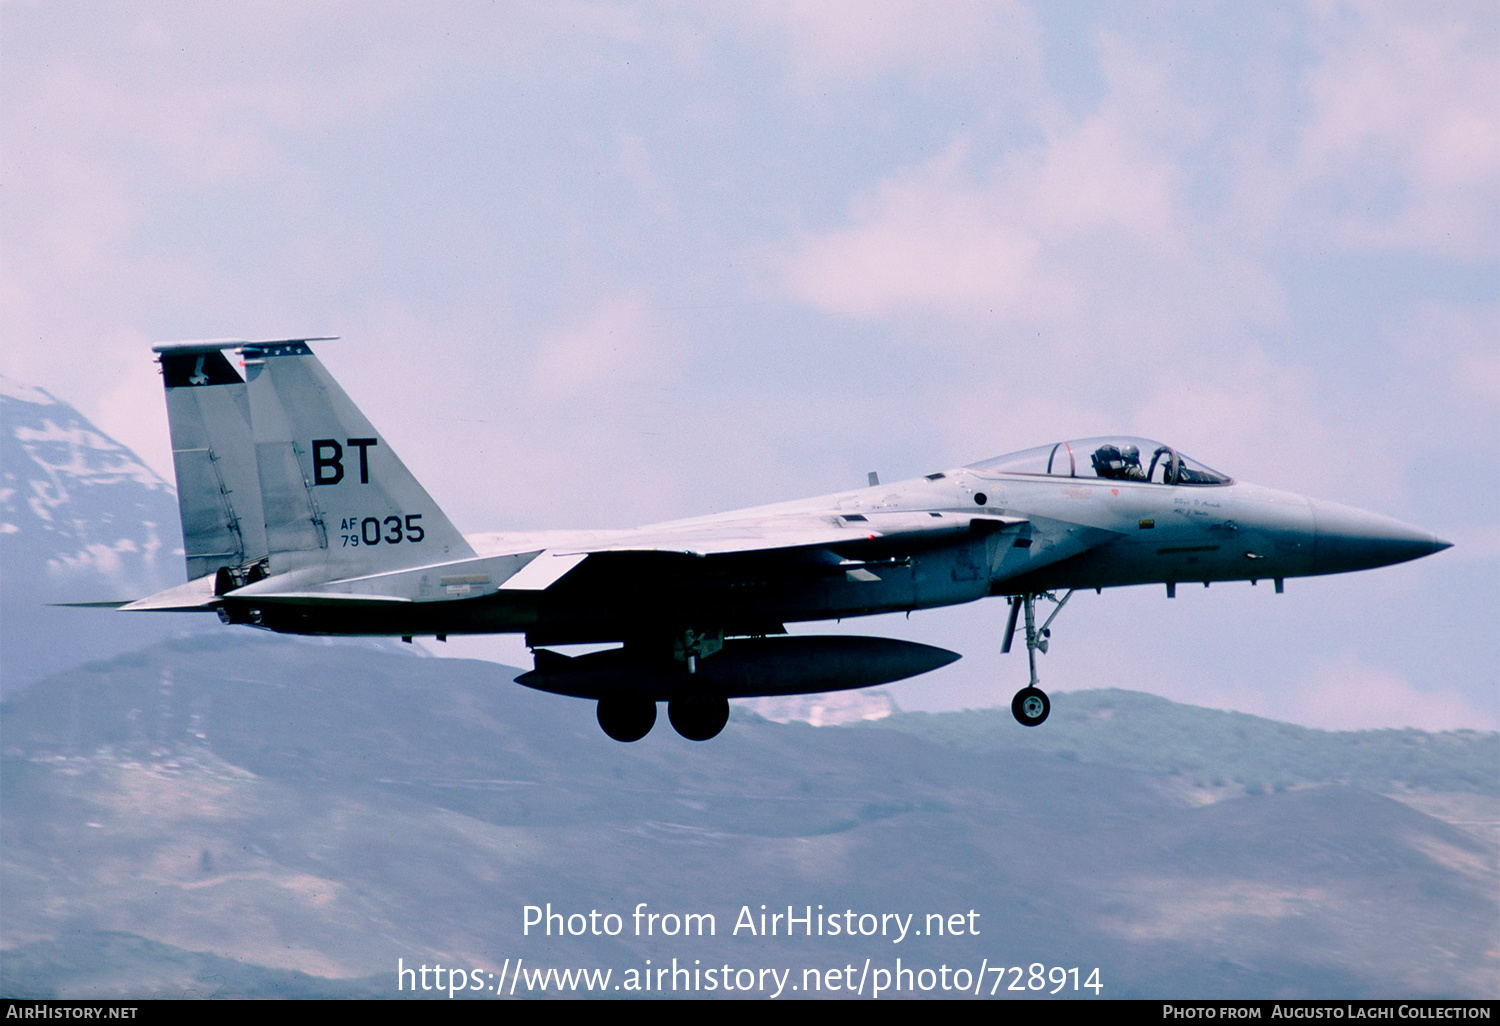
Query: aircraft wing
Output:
(767,536)
(533,562)
(712,537)
(910,529)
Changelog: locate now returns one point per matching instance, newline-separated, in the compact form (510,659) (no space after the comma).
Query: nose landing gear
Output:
(1030,706)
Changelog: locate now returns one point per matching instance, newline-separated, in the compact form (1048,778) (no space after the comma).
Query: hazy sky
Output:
(603,264)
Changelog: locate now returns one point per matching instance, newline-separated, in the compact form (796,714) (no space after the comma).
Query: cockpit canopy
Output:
(1115,459)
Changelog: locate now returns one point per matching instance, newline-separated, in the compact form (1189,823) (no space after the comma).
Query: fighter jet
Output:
(297,517)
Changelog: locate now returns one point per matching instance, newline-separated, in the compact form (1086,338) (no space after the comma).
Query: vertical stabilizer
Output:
(333,492)
(213,452)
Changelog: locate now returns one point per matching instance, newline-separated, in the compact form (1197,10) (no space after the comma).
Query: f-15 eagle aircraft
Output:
(297,517)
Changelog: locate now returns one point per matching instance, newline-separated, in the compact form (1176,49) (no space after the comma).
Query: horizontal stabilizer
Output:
(116,604)
(325,599)
(543,571)
(196,596)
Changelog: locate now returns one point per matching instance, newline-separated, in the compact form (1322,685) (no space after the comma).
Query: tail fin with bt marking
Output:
(280,471)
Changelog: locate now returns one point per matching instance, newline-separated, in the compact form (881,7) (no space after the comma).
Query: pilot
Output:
(1118,463)
(1108,462)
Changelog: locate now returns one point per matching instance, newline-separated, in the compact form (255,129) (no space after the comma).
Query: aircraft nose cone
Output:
(1354,539)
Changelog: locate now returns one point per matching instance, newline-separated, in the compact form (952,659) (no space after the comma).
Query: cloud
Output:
(1052,235)
(620,340)
(1089,232)
(1269,422)
(1130,268)
(1345,693)
(1403,141)
(927,239)
(1452,349)
(1351,690)
(846,43)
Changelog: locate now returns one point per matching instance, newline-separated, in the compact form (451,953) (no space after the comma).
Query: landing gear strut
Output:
(698,713)
(1031,705)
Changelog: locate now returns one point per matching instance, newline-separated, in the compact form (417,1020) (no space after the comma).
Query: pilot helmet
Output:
(1131,455)
(1107,460)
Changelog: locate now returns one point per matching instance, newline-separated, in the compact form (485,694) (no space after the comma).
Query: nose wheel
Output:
(1031,704)
(1030,707)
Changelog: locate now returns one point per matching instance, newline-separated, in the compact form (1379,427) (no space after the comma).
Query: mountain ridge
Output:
(326,809)
(82,519)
